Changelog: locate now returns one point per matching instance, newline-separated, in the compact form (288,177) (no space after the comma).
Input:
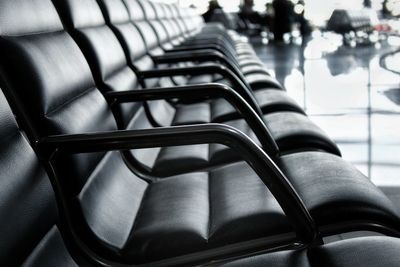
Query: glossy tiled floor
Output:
(350,95)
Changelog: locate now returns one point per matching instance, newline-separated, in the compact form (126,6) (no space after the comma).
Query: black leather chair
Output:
(112,74)
(29,231)
(146,21)
(129,218)
(171,38)
(30,236)
(123,216)
(357,252)
(291,131)
(240,45)
(267,100)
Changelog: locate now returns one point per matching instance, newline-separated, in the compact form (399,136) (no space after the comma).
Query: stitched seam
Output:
(10,138)
(50,31)
(117,71)
(138,214)
(209,207)
(70,101)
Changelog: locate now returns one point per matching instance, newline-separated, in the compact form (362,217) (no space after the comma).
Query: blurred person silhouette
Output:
(251,19)
(269,16)
(213,7)
(215,13)
(247,12)
(283,18)
(367,3)
(305,27)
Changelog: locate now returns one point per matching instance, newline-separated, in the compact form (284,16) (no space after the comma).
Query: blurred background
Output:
(341,60)
(302,16)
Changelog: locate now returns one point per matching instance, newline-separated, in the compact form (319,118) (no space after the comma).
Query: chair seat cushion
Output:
(254,69)
(333,190)
(51,251)
(192,114)
(356,252)
(204,210)
(269,100)
(181,159)
(246,60)
(291,131)
(259,81)
(296,131)
(200,79)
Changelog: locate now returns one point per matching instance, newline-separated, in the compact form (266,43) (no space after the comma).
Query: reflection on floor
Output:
(349,93)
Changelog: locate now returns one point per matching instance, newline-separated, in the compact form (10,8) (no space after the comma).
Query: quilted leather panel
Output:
(51,78)
(51,251)
(111,199)
(135,10)
(242,207)
(204,210)
(356,252)
(173,218)
(84,14)
(162,112)
(254,69)
(268,100)
(148,9)
(148,156)
(132,41)
(161,32)
(180,159)
(148,34)
(51,61)
(27,204)
(106,49)
(276,100)
(192,114)
(276,259)
(294,130)
(114,11)
(16,17)
(261,81)
(314,172)
(28,208)
(103,51)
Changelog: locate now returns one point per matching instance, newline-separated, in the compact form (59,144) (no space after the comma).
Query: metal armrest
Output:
(188,48)
(199,56)
(238,85)
(259,161)
(209,91)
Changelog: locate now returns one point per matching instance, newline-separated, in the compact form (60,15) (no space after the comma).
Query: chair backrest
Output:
(139,18)
(139,40)
(164,23)
(108,61)
(179,20)
(172,18)
(28,209)
(85,22)
(52,84)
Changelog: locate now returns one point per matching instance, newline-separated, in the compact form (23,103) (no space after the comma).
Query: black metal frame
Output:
(198,55)
(204,91)
(259,161)
(238,85)
(287,197)
(213,47)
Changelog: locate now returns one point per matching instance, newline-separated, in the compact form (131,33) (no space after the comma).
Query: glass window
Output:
(318,11)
